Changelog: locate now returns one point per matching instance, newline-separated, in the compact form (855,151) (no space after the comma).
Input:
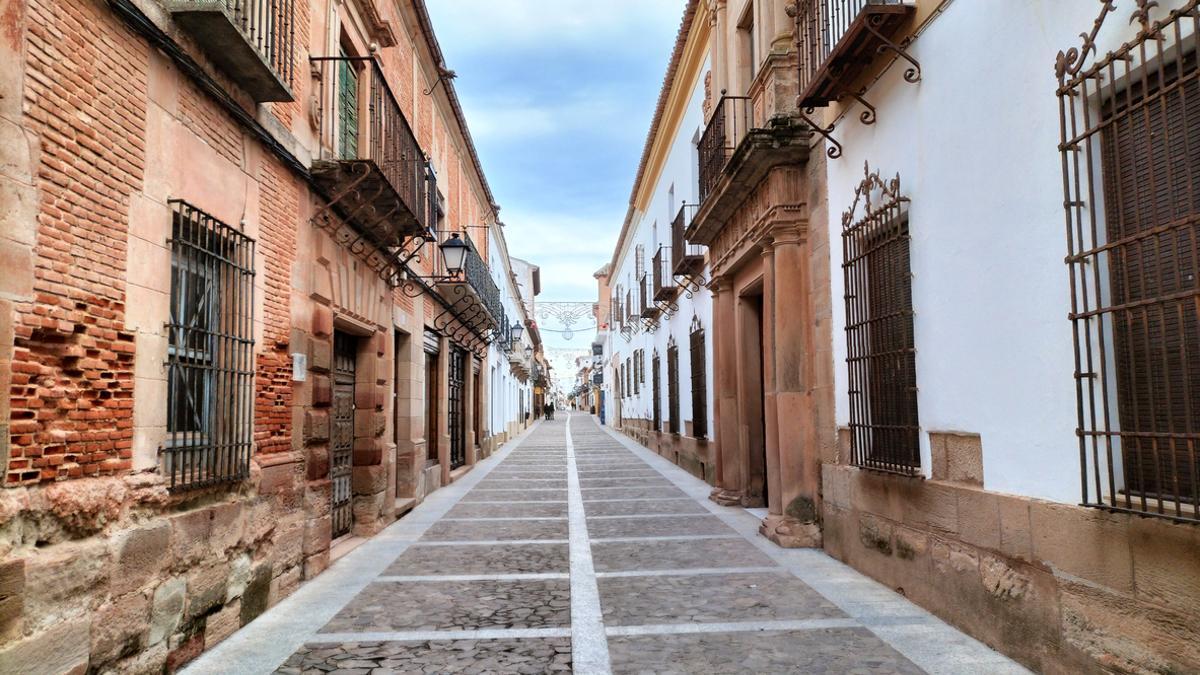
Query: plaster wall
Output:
(675,185)
(976,151)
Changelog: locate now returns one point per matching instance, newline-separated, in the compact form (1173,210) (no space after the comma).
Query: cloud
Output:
(558,95)
(491,25)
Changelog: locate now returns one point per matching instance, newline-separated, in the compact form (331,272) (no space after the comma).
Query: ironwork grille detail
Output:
(638,379)
(672,387)
(699,380)
(881,350)
(655,385)
(341,445)
(210,352)
(727,127)
(1132,116)
(455,413)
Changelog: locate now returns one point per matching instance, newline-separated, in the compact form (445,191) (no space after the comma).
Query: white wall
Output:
(975,144)
(680,171)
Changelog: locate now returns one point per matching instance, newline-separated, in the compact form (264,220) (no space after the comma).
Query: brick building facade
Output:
(229,345)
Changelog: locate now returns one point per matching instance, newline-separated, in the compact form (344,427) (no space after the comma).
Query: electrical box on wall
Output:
(299,367)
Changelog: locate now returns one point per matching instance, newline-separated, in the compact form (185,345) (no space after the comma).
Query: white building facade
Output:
(658,371)
(985,388)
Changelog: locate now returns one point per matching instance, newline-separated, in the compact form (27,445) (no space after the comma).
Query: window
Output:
(347,108)
(699,380)
(881,351)
(210,351)
(655,379)
(637,372)
(1133,244)
(672,386)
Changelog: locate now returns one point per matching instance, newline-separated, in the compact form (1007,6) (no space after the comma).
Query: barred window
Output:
(672,386)
(655,386)
(637,367)
(881,350)
(642,365)
(699,380)
(1133,117)
(210,353)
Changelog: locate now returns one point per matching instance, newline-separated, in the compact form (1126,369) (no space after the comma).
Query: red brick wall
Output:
(72,388)
(280,202)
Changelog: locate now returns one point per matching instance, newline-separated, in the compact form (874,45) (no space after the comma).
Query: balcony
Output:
(649,310)
(665,288)
(728,126)
(251,41)
(688,258)
(370,164)
(840,39)
(472,292)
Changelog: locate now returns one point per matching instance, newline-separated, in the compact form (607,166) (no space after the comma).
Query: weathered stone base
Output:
(790,533)
(691,454)
(726,497)
(1061,588)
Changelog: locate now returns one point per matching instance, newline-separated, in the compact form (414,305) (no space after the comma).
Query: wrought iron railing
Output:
(354,128)
(664,281)
(836,38)
(728,126)
(684,255)
(477,274)
(270,27)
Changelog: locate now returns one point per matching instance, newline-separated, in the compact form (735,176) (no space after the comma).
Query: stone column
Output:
(720,49)
(799,461)
(770,412)
(729,477)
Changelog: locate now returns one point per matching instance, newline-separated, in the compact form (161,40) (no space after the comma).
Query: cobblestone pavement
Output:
(575,549)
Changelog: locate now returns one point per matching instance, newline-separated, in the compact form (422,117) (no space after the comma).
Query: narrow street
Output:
(572,549)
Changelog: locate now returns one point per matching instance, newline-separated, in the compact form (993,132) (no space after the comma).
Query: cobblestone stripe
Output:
(411,636)
(589,644)
(475,520)
(637,515)
(474,577)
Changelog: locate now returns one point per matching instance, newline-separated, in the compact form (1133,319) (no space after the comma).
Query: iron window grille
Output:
(210,352)
(672,386)
(655,385)
(699,380)
(637,368)
(1133,116)
(881,349)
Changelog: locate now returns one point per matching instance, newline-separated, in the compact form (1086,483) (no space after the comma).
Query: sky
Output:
(559,95)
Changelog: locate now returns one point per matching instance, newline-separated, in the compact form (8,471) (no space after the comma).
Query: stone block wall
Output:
(1059,587)
(126,578)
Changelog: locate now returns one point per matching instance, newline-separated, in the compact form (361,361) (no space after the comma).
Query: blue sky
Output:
(559,96)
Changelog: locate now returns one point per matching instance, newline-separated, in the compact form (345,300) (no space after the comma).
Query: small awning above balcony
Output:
(251,41)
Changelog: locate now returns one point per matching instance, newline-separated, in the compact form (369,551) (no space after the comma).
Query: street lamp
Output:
(454,253)
(517,331)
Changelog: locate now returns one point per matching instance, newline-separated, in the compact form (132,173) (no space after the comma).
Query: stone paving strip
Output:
(575,549)
(497,530)
(544,655)
(500,559)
